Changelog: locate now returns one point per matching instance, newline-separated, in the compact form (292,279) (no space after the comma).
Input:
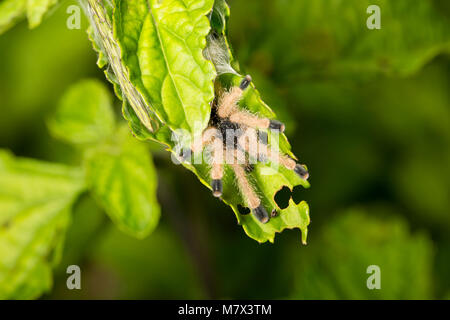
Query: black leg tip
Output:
(301,171)
(261,214)
(217,188)
(245,82)
(276,125)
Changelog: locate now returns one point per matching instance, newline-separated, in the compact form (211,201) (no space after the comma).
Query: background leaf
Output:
(123,179)
(35,204)
(84,115)
(36,10)
(329,39)
(335,265)
(11,11)
(120,171)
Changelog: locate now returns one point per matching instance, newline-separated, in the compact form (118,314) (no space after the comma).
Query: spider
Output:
(236,132)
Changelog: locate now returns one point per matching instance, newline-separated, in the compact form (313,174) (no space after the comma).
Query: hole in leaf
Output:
(282,197)
(297,194)
(243,210)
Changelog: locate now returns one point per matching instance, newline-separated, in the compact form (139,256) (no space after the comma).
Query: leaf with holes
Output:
(267,179)
(161,47)
(35,204)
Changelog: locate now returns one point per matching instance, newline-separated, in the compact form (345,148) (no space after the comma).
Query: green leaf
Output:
(84,115)
(35,203)
(335,266)
(123,179)
(162,44)
(101,35)
(11,11)
(36,9)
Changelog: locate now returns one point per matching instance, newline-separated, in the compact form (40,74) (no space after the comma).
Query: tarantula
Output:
(234,132)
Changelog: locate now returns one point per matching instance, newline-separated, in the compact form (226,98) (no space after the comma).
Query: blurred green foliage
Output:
(367,110)
(92,123)
(35,203)
(335,267)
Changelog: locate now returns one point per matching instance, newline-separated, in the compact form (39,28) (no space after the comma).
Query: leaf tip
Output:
(304,236)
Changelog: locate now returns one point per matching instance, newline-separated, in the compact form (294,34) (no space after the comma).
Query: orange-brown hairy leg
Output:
(250,120)
(249,142)
(229,100)
(249,194)
(217,167)
(207,137)
(285,161)
(218,162)
(289,163)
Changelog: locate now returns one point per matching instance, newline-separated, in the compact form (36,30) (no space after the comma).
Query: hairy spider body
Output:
(232,135)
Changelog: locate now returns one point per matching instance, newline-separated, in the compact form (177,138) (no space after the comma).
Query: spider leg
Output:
(249,194)
(207,138)
(217,168)
(211,136)
(245,82)
(250,120)
(263,152)
(227,107)
(199,143)
(301,171)
(228,101)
